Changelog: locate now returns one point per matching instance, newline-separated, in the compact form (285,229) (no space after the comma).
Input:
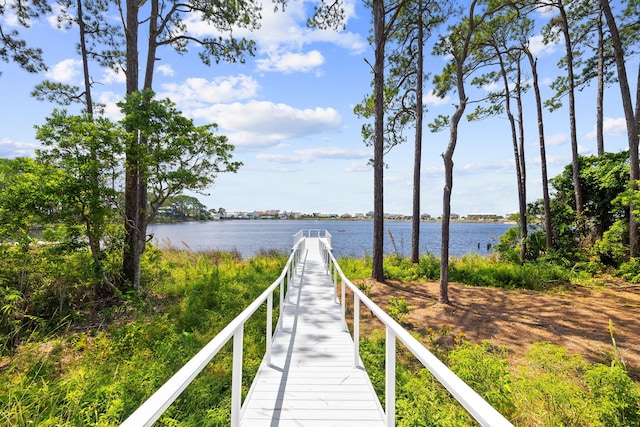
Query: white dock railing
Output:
(155,406)
(479,409)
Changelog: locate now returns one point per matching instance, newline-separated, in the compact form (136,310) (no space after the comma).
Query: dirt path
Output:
(577,319)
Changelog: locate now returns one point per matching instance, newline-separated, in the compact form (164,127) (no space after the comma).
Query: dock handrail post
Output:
(282,291)
(356,330)
(236,376)
(335,275)
(343,298)
(390,378)
(269,337)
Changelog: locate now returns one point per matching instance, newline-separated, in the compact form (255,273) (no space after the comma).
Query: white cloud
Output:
(268,121)
(282,36)
(500,166)
(312,154)
(282,158)
(583,151)
(109,100)
(59,18)
(199,92)
(252,141)
(546,81)
(12,149)
(166,70)
(557,139)
(288,30)
(611,126)
(334,153)
(64,71)
(291,62)
(556,160)
(538,48)
(358,167)
(431,99)
(9,18)
(110,76)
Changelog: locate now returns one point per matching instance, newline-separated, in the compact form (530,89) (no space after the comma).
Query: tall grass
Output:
(100,375)
(549,388)
(476,270)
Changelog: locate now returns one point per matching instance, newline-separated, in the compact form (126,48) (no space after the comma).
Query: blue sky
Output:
(288,110)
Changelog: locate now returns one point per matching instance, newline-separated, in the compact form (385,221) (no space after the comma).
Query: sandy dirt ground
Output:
(576,318)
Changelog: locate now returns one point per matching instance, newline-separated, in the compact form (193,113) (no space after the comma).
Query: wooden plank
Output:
(311,380)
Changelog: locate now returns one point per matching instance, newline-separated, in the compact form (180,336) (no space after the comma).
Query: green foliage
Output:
(613,248)
(401,268)
(422,401)
(46,287)
(355,268)
(549,387)
(398,308)
(100,376)
(479,271)
(485,369)
(509,246)
(602,179)
(630,270)
(616,397)
(29,194)
(181,208)
(177,155)
(473,270)
(86,153)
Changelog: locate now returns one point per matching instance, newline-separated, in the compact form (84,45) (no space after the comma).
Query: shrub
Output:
(475,270)
(485,369)
(630,270)
(398,308)
(429,266)
(547,389)
(355,268)
(615,397)
(99,377)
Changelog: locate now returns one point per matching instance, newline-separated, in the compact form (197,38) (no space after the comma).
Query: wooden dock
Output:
(312,379)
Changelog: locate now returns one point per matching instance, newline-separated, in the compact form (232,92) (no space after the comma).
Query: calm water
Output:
(350,238)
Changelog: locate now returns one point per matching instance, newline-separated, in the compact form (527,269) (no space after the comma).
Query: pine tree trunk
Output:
(630,118)
(446,198)
(377,271)
(543,154)
(417,156)
(131,255)
(600,95)
(572,112)
(522,174)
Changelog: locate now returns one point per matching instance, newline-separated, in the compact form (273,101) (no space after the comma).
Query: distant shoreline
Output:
(461,220)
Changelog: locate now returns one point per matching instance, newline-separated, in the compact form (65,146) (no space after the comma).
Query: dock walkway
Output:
(311,380)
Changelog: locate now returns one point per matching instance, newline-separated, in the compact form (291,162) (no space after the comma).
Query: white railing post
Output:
(153,408)
(478,408)
(390,378)
(281,302)
(356,330)
(236,376)
(269,337)
(325,253)
(343,288)
(335,275)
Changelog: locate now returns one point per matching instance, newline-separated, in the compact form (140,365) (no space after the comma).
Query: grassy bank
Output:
(99,370)
(98,367)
